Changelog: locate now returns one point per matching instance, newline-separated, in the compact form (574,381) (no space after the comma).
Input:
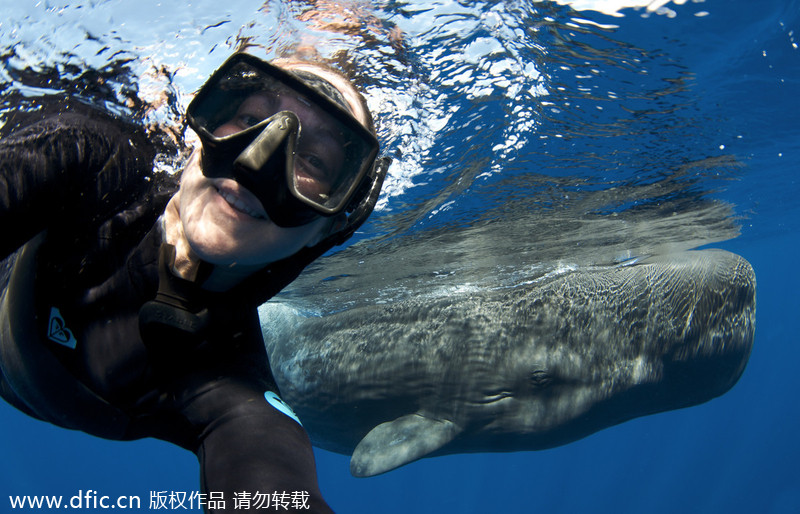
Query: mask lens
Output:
(332,152)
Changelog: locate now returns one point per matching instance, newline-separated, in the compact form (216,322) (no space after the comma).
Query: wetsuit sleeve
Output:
(254,456)
(247,448)
(65,169)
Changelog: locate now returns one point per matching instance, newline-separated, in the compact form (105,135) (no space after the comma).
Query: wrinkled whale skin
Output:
(528,367)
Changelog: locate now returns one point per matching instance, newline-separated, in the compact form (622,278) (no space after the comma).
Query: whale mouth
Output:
(488,398)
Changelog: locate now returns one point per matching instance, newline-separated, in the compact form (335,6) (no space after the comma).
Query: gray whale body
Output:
(528,367)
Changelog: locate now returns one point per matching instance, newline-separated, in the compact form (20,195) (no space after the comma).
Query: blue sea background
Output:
(468,94)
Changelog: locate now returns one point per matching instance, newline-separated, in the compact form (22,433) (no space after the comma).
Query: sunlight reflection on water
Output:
(519,131)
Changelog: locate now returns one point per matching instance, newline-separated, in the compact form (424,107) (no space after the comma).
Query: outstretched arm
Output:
(257,457)
(251,450)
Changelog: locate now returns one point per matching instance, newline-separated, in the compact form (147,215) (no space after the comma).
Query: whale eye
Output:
(540,379)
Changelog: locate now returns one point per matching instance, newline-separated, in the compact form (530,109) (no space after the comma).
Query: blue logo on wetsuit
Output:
(58,332)
(279,404)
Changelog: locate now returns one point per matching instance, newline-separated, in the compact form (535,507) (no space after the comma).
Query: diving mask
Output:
(288,138)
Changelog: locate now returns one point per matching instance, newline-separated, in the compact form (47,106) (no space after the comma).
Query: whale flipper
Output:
(398,442)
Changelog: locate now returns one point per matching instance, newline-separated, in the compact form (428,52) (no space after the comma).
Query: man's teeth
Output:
(239,205)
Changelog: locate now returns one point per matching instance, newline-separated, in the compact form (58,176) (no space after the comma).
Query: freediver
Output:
(130,308)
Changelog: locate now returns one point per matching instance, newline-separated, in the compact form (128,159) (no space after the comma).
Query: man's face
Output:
(226,224)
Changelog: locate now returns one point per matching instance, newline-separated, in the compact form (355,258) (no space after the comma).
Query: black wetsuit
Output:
(80,189)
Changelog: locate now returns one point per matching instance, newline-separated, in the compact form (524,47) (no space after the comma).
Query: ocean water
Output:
(525,135)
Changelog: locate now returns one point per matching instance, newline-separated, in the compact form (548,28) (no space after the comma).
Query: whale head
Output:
(581,353)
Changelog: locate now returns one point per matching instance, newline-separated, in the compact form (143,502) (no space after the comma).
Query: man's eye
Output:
(248,120)
(315,161)
(314,165)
